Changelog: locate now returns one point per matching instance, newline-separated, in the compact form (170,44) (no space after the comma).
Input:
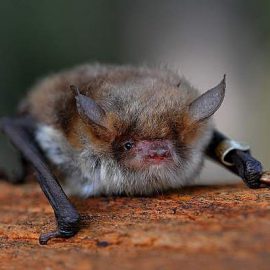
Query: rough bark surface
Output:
(224,227)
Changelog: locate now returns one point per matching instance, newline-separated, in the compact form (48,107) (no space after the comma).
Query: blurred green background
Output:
(203,39)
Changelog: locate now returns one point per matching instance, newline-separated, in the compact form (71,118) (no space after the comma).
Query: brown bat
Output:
(109,130)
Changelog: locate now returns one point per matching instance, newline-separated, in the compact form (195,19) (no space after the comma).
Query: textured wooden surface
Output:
(196,228)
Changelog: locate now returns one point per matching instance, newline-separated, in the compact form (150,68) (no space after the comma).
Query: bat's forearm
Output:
(20,131)
(236,158)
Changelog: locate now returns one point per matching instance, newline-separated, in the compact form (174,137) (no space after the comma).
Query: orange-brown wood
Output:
(195,228)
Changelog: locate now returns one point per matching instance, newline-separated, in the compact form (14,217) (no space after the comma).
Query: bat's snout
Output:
(159,153)
(154,150)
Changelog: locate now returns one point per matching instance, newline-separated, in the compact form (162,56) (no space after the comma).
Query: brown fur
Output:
(52,102)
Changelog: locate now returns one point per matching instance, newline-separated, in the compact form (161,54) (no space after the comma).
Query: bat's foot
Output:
(45,237)
(65,230)
(247,167)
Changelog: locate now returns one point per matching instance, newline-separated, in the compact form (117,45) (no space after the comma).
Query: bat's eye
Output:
(128,145)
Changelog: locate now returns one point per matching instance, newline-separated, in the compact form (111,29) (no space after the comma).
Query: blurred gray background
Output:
(203,39)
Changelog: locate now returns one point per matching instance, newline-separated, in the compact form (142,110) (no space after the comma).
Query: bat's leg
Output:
(20,132)
(236,158)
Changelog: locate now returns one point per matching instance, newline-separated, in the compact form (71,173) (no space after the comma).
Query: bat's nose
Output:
(160,152)
(156,150)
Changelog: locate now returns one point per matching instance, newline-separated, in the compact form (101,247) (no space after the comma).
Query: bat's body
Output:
(143,103)
(120,130)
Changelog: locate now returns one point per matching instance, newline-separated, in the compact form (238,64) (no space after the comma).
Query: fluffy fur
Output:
(141,103)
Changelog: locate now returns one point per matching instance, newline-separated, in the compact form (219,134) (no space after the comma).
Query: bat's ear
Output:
(208,103)
(89,110)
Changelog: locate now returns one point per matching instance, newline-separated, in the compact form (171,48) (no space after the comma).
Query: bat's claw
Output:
(45,237)
(66,229)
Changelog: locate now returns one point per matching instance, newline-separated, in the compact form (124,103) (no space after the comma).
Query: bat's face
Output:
(137,153)
(150,133)
(155,141)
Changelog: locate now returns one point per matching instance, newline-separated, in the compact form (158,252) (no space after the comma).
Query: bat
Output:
(109,130)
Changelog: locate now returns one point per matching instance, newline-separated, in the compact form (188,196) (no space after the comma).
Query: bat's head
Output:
(152,128)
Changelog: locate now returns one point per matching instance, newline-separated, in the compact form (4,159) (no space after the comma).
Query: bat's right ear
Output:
(208,103)
(88,109)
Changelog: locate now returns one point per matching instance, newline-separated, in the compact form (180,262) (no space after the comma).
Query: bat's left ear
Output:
(88,109)
(93,115)
(208,103)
